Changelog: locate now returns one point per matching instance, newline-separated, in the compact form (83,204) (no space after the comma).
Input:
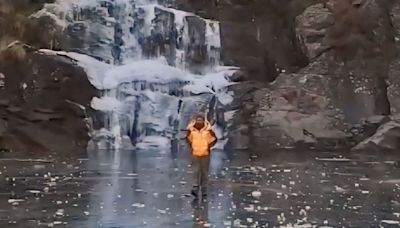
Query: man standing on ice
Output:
(201,139)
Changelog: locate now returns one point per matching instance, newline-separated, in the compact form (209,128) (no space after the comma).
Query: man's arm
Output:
(188,138)
(212,133)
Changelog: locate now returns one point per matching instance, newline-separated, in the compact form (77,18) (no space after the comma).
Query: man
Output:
(201,139)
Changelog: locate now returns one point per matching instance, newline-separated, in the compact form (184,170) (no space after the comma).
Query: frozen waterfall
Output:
(155,66)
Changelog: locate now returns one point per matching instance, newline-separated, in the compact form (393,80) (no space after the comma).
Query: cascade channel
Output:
(155,67)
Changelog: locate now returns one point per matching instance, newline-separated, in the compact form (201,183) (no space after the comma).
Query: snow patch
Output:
(105,104)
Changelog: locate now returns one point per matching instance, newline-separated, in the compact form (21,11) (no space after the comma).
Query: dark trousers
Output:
(200,167)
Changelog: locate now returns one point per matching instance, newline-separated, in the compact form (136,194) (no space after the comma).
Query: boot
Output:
(195,191)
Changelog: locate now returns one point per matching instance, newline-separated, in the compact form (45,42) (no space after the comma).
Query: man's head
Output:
(199,121)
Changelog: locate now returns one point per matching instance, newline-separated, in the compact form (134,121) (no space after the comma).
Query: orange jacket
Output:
(201,140)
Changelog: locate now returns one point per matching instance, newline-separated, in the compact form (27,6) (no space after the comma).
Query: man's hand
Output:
(215,139)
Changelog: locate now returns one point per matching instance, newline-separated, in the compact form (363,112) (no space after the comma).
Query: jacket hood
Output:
(207,125)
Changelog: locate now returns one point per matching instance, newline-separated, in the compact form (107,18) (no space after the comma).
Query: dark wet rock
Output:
(51,35)
(239,137)
(394,69)
(197,50)
(41,117)
(164,37)
(3,127)
(39,99)
(393,89)
(243,95)
(367,127)
(387,137)
(45,110)
(362,30)
(91,34)
(395,17)
(13,109)
(240,76)
(4,102)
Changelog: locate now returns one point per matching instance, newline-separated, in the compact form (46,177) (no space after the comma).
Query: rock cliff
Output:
(349,83)
(44,102)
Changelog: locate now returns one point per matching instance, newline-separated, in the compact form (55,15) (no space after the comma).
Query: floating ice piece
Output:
(256,194)
(60,212)
(391,222)
(303,212)
(339,189)
(297,226)
(162,211)
(250,208)
(237,223)
(138,205)
(15,200)
(333,159)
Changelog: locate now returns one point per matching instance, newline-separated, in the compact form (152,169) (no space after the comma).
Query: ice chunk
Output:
(138,205)
(391,222)
(256,194)
(105,103)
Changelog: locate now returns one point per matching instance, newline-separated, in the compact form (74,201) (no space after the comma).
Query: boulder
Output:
(298,108)
(387,137)
(311,28)
(40,96)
